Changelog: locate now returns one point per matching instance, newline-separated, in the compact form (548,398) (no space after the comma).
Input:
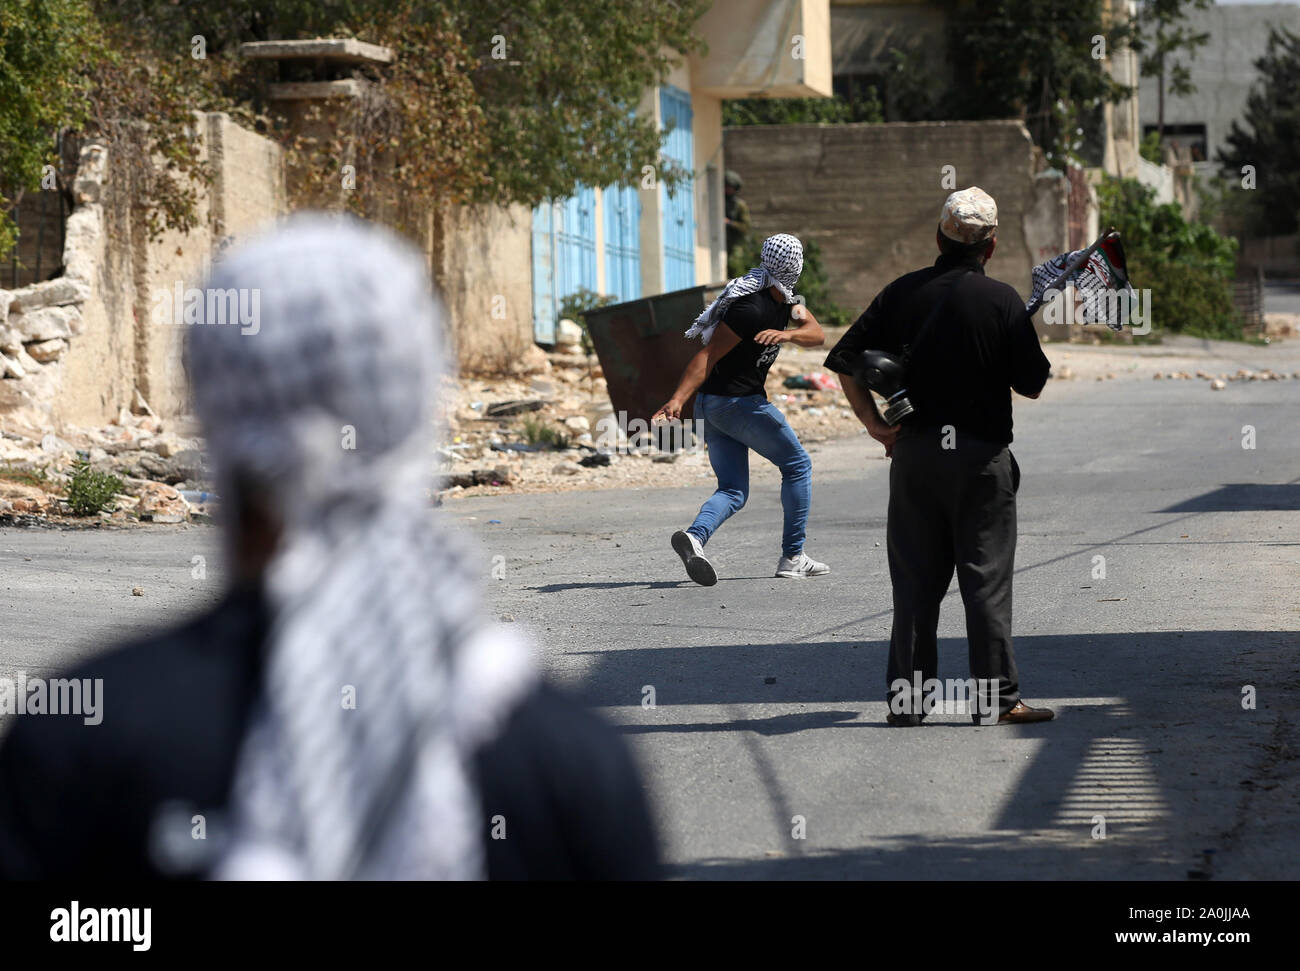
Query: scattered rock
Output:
(1217,385)
(52,443)
(49,293)
(137,591)
(47,323)
(160,503)
(566,468)
(11,342)
(466,480)
(532,361)
(164,446)
(568,335)
(577,423)
(43,352)
(504,409)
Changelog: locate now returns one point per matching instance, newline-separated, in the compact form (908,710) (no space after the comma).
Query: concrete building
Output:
(1222,71)
(869,35)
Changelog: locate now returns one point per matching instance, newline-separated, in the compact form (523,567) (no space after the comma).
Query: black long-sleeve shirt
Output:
(79,800)
(980,347)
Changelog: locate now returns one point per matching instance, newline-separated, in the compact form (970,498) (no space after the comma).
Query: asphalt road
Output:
(768,721)
(1282,297)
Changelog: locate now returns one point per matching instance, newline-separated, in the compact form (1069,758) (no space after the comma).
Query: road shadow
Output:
(775,725)
(1244,497)
(933,857)
(615,585)
(638,584)
(1124,747)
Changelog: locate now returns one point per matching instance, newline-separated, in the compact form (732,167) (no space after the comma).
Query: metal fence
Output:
(41,217)
(1248,298)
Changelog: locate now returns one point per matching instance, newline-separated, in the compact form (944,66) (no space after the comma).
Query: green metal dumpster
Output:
(642,349)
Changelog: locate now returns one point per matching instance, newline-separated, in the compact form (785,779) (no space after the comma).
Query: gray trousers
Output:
(952,508)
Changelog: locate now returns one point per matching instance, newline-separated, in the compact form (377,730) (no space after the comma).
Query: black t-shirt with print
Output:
(743,369)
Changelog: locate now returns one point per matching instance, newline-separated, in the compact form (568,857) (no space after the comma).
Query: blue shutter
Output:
(622,242)
(679,205)
(575,239)
(564,256)
(544,274)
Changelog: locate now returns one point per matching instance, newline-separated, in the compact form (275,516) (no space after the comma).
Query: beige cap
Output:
(969,216)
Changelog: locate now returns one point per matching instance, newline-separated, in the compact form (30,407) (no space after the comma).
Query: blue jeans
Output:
(733,426)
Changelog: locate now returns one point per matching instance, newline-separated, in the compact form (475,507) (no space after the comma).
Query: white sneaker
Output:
(698,568)
(800,566)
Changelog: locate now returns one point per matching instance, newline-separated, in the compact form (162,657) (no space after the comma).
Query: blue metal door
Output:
(678,205)
(564,256)
(622,242)
(544,274)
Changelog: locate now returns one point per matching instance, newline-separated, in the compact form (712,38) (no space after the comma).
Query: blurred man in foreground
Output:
(344,711)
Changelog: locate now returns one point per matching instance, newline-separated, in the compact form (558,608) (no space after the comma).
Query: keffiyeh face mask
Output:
(780,264)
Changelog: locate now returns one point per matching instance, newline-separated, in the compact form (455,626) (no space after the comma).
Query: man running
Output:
(742,332)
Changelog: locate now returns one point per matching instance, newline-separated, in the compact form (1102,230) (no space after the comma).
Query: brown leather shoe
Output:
(1022,714)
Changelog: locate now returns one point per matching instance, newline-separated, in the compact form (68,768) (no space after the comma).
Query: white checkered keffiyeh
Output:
(367,593)
(780,264)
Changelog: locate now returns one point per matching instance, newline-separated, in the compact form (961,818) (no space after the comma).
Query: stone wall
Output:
(79,348)
(481,258)
(870,195)
(40,323)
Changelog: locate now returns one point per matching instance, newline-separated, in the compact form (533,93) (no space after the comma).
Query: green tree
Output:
(44,45)
(1159,36)
(554,84)
(802,111)
(1036,60)
(1187,266)
(1270,187)
(495,101)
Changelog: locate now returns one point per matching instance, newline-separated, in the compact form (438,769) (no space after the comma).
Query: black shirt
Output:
(743,370)
(980,346)
(78,800)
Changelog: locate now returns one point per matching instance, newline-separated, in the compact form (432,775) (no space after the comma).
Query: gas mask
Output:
(886,375)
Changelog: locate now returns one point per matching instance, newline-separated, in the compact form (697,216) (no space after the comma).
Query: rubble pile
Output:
(550,426)
(157,461)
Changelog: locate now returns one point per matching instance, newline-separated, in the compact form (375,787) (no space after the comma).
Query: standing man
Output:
(739,226)
(952,486)
(742,332)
